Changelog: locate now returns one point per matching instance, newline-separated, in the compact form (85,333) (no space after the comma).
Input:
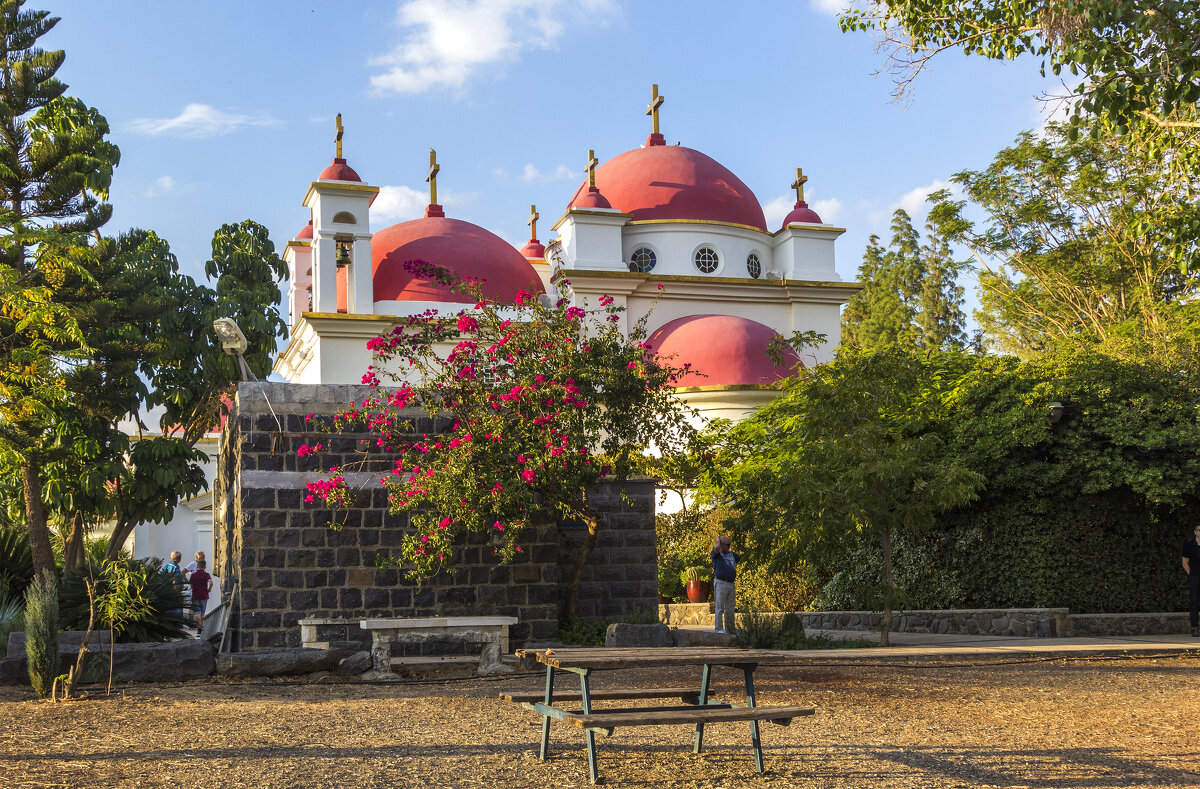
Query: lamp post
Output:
(1056,412)
(234,343)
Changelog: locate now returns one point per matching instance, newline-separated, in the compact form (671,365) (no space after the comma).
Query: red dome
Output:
(802,215)
(591,199)
(465,249)
(729,351)
(534,250)
(305,232)
(338,171)
(670,182)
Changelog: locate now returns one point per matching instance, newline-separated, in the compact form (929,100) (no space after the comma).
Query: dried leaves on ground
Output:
(1083,723)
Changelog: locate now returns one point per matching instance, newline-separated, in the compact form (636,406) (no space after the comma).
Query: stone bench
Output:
(491,631)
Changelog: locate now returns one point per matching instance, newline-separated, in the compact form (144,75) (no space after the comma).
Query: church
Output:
(661,226)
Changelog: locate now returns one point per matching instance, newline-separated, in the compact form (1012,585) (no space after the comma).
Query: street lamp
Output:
(234,343)
(1056,412)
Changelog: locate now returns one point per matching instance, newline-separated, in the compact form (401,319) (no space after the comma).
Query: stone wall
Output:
(1029,622)
(283,560)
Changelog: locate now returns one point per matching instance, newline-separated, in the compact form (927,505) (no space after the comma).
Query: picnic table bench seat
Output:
(607,694)
(608,720)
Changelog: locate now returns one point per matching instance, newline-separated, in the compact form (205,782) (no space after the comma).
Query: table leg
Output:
(589,736)
(758,757)
(698,739)
(544,749)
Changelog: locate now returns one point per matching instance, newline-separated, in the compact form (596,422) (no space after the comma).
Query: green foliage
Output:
(134,599)
(684,539)
(12,617)
(698,573)
(591,632)
(1132,57)
(910,295)
(16,561)
(41,633)
(1086,241)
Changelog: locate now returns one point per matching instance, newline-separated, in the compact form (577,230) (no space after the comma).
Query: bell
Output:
(343,256)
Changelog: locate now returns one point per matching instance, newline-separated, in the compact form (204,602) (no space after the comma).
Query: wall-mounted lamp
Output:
(234,343)
(1056,412)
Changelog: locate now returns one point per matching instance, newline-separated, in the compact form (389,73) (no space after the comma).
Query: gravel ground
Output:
(1082,723)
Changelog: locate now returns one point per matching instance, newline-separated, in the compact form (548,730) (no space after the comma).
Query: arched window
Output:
(707,260)
(753,265)
(642,259)
(344,218)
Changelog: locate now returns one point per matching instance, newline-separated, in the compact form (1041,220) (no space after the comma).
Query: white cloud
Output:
(830,7)
(161,186)
(829,209)
(531,174)
(914,203)
(198,120)
(400,203)
(447,41)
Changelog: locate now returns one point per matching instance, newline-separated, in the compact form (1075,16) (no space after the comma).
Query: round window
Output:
(642,259)
(707,260)
(754,265)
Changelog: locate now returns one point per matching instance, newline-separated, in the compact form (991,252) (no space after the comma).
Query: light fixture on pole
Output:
(1056,412)
(234,343)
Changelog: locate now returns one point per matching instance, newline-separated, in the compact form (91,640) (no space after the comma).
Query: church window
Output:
(344,218)
(642,259)
(753,265)
(707,260)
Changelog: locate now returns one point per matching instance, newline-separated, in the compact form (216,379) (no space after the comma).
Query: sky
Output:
(225,111)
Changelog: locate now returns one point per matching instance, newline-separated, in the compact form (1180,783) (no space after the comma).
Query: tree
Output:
(910,293)
(850,449)
(55,167)
(541,403)
(1085,239)
(1136,58)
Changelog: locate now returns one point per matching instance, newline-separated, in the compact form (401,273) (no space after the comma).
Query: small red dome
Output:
(534,250)
(591,199)
(729,351)
(670,182)
(802,215)
(305,232)
(465,249)
(338,171)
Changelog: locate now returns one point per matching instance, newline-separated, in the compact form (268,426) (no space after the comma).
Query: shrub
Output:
(159,602)
(16,561)
(41,633)
(591,632)
(12,617)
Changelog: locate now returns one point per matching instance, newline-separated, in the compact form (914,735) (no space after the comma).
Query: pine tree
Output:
(55,169)
(910,294)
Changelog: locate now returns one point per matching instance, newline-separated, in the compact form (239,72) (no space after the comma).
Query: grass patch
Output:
(762,630)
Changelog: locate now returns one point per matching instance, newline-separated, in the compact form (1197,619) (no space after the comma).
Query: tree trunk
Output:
(120,534)
(889,587)
(35,519)
(73,545)
(593,527)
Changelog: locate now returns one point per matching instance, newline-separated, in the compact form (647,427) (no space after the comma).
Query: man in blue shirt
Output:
(724,563)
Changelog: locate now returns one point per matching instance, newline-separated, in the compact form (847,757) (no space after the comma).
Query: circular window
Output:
(754,265)
(707,260)
(642,259)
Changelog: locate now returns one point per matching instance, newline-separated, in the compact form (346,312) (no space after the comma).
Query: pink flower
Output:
(467,323)
(522,297)
(499,526)
(631,366)
(606,300)
(528,475)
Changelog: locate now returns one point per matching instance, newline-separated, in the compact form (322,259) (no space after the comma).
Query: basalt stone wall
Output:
(283,560)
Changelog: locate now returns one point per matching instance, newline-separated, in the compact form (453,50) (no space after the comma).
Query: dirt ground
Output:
(1083,723)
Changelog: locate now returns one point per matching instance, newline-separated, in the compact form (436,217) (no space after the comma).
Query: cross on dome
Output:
(533,218)
(434,169)
(656,101)
(798,184)
(591,168)
(338,139)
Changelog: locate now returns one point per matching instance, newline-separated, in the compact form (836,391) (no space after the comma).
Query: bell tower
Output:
(340,203)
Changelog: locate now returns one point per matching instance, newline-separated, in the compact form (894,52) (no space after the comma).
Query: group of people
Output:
(197,579)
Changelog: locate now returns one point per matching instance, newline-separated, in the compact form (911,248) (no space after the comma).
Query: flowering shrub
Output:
(544,402)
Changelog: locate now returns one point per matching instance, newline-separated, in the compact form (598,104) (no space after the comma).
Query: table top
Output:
(651,657)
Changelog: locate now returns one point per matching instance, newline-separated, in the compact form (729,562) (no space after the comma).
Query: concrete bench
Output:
(491,631)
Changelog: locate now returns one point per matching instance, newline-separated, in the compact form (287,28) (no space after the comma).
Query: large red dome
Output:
(670,182)
(729,351)
(465,249)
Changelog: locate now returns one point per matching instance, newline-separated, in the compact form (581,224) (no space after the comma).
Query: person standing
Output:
(175,573)
(1191,566)
(201,583)
(724,564)
(191,566)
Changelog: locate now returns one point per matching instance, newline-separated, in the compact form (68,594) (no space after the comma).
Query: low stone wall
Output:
(1027,622)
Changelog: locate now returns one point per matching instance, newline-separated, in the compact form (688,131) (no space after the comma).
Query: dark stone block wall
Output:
(282,560)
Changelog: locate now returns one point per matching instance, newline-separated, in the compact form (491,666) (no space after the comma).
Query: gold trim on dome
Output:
(803,226)
(348,186)
(730,388)
(345,316)
(590,212)
(297,243)
(698,222)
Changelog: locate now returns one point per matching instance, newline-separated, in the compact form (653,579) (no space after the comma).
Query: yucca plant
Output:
(12,617)
(16,561)
(41,633)
(157,598)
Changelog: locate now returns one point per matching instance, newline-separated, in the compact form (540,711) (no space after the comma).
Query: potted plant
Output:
(696,580)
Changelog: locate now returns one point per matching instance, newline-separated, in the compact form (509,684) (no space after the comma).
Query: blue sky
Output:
(224,111)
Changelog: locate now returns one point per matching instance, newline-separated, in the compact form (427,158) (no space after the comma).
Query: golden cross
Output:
(591,168)
(798,185)
(533,218)
(339,136)
(434,168)
(656,101)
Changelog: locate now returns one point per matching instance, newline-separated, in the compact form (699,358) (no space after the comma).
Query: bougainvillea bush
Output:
(543,400)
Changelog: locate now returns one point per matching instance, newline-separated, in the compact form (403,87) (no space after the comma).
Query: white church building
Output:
(655,215)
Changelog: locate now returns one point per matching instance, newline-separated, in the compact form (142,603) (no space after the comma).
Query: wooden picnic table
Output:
(697,708)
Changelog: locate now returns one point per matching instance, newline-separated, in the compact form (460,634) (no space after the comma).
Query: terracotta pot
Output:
(697,591)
